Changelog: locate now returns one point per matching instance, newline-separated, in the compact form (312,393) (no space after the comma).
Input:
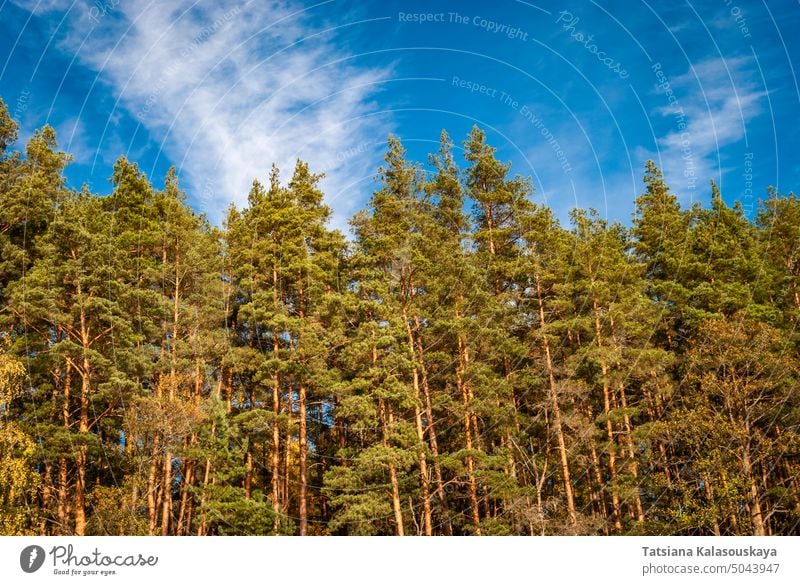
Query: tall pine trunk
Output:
(303,511)
(431,427)
(461,382)
(423,465)
(612,456)
(63,473)
(83,425)
(386,421)
(276,411)
(756,515)
(559,428)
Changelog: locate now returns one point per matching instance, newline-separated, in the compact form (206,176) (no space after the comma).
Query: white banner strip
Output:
(371,560)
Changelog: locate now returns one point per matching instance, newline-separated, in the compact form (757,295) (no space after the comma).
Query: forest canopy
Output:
(462,365)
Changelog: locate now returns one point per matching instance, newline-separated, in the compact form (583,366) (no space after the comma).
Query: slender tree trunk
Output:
(151,488)
(184,525)
(81,459)
(302,438)
(189,516)
(765,484)
(461,382)
(637,499)
(507,440)
(166,493)
(79,504)
(183,510)
(612,457)
(424,477)
(488,211)
(287,452)
(203,528)
(303,511)
(553,394)
(276,411)
(711,504)
(756,515)
(423,465)
(63,476)
(431,428)
(597,475)
(387,420)
(166,499)
(539,480)
(626,437)
(63,497)
(47,497)
(248,475)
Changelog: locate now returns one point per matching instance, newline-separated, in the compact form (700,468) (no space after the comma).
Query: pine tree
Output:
(501,205)
(613,323)
(725,277)
(779,229)
(661,231)
(28,190)
(744,383)
(385,268)
(543,273)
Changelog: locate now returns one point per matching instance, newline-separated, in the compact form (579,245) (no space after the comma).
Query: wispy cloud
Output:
(43,6)
(713,102)
(227,88)
(73,138)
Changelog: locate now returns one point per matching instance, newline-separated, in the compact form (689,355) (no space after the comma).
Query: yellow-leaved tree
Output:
(19,481)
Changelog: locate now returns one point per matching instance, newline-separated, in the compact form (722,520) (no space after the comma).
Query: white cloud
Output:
(74,140)
(228,88)
(716,98)
(43,6)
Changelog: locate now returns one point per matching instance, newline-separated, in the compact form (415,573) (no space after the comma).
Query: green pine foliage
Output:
(462,365)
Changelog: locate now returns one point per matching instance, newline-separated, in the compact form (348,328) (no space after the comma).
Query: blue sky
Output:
(575,94)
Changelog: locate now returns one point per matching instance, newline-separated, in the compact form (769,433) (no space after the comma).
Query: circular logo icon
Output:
(31,558)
